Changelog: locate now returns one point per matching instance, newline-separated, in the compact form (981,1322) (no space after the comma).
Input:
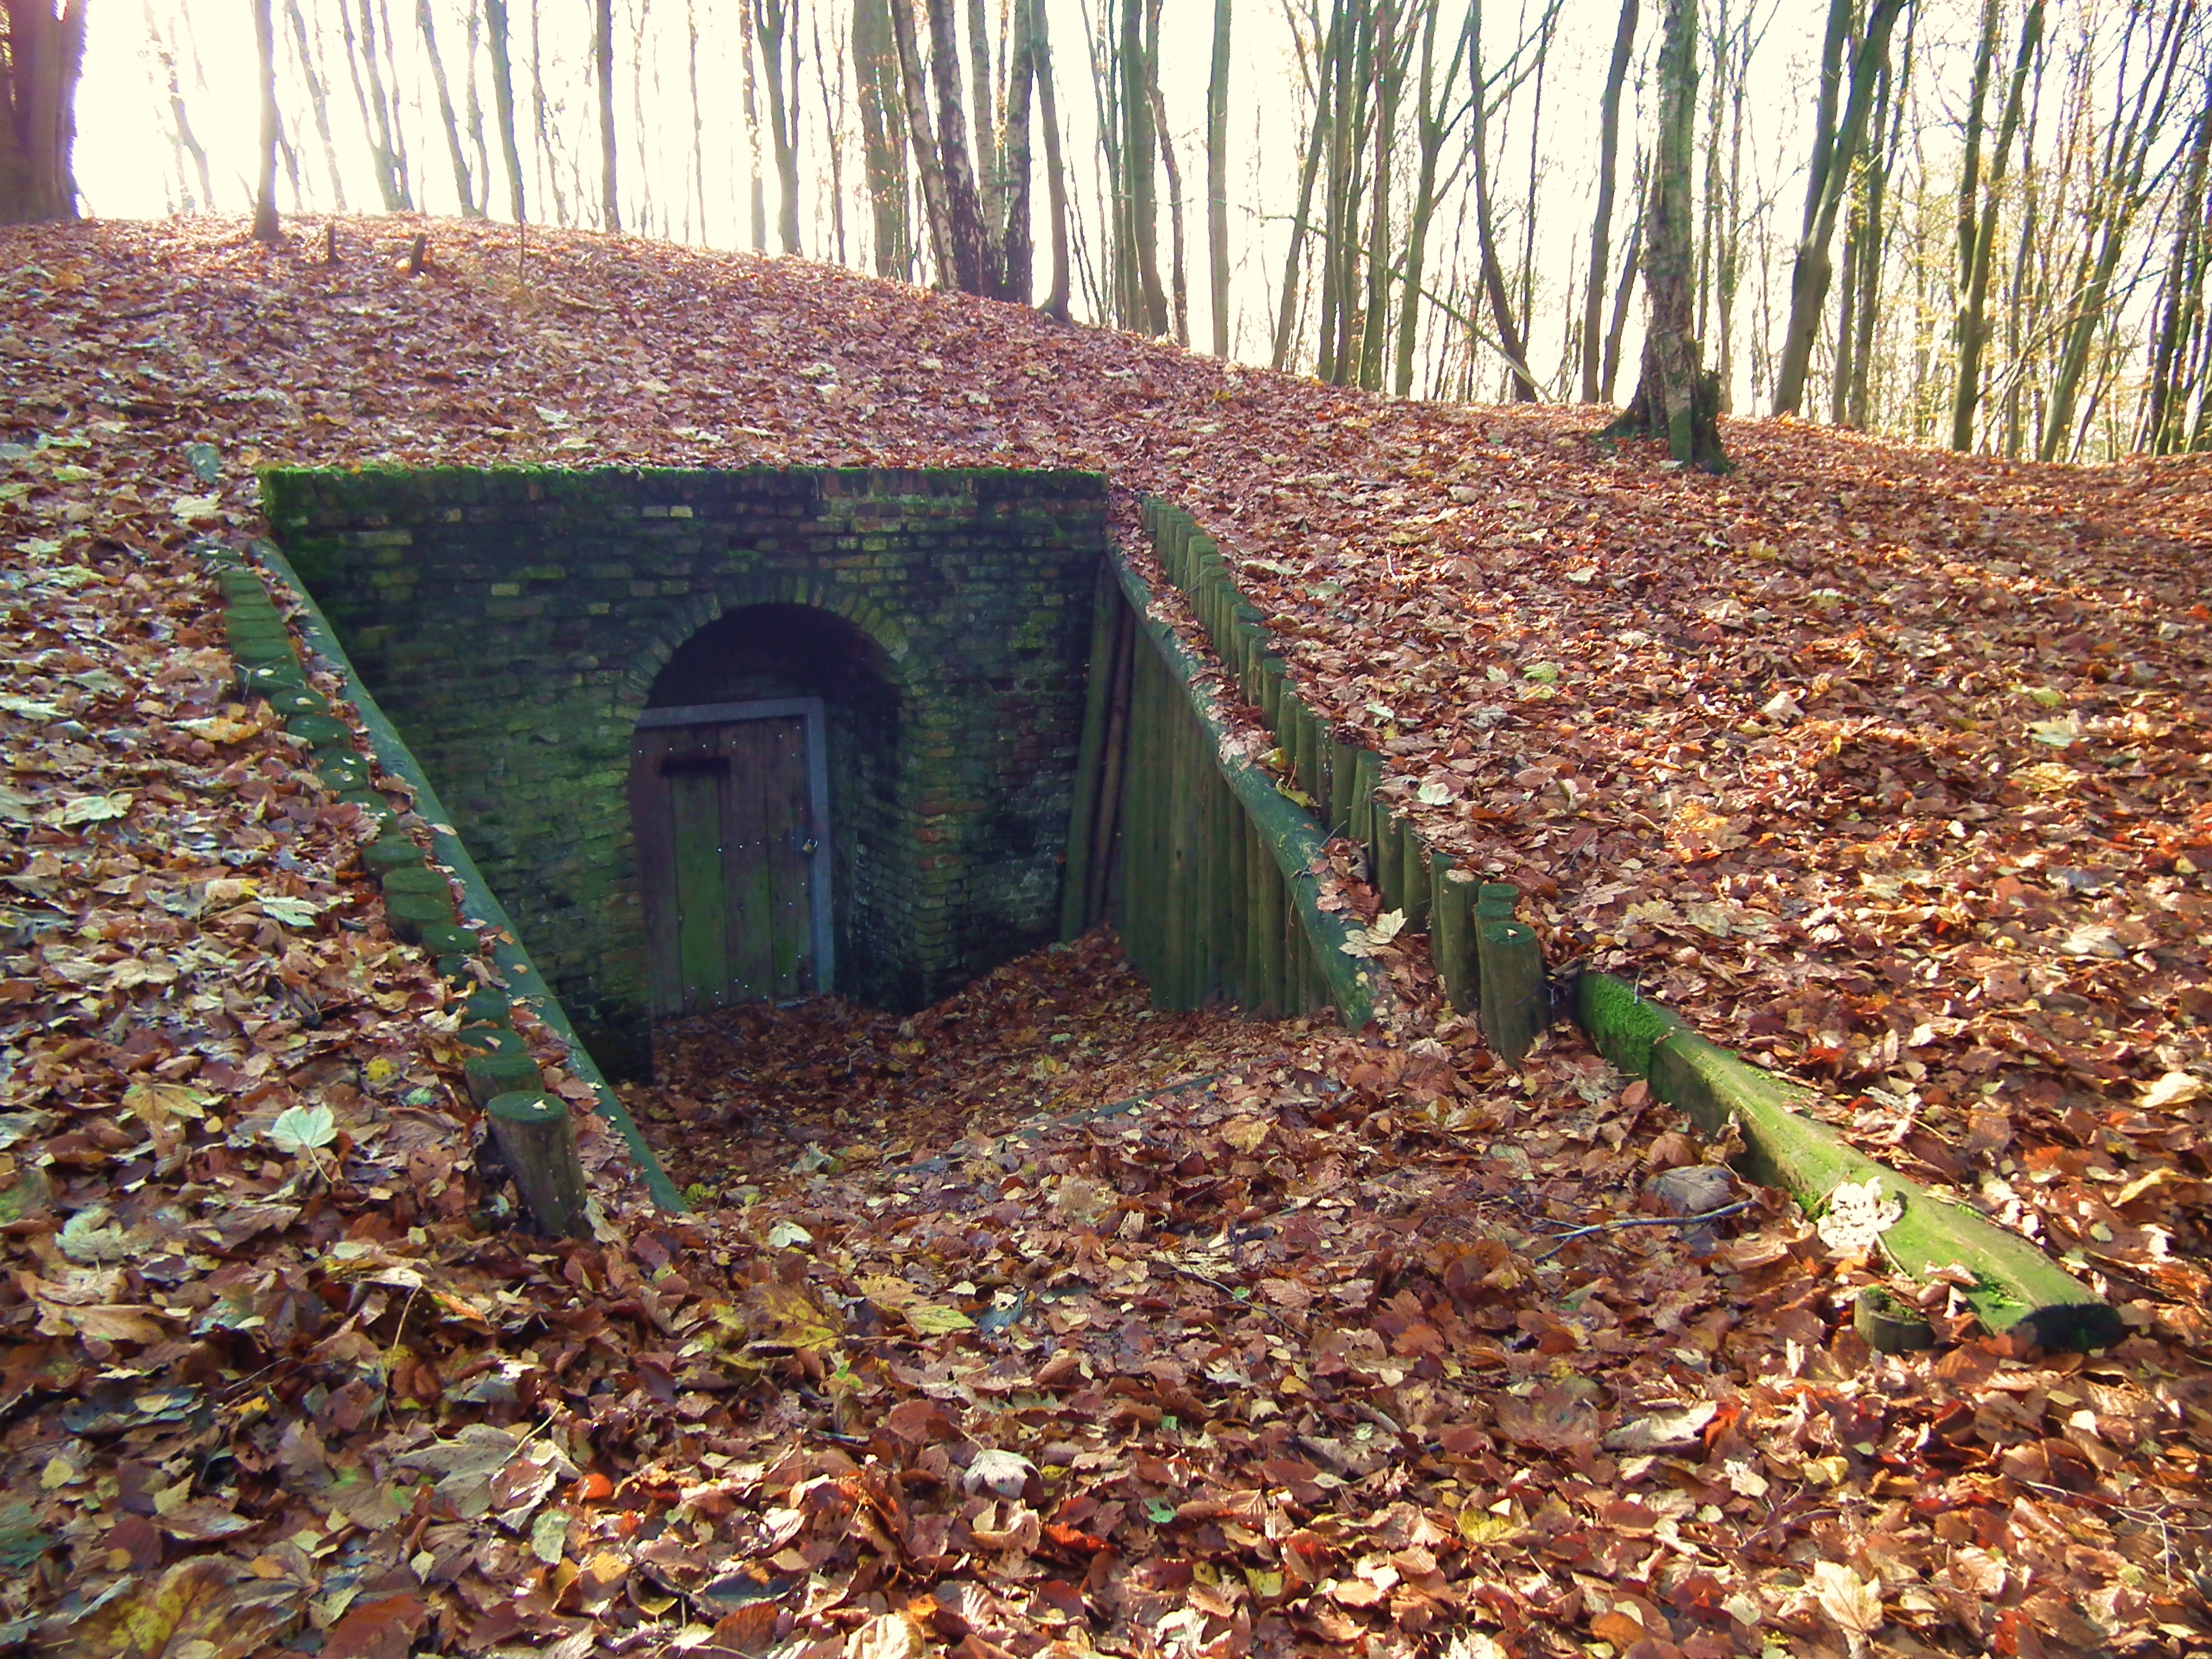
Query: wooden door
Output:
(732,854)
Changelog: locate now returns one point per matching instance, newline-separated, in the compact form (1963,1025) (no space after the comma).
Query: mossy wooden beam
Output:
(514,963)
(538,1138)
(1289,832)
(1516,1003)
(2017,1286)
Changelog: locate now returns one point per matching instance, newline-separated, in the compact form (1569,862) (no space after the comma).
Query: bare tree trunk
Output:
(883,134)
(1509,342)
(2166,398)
(1318,136)
(1980,250)
(318,98)
(1675,399)
(380,112)
(1630,270)
(1179,280)
(503,96)
(990,161)
(265,229)
(1217,179)
(1389,87)
(1055,304)
(603,66)
(833,118)
(43,60)
(915,96)
(771,28)
(463,186)
(541,121)
(1431,134)
(1139,142)
(1609,149)
(1018,280)
(972,257)
(1808,282)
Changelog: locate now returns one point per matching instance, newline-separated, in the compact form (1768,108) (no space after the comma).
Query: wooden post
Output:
(1090,761)
(489,1006)
(1416,878)
(538,1138)
(1451,932)
(491,1075)
(1495,902)
(1516,1003)
(410,912)
(1343,785)
(391,852)
(1389,858)
(415,878)
(1366,774)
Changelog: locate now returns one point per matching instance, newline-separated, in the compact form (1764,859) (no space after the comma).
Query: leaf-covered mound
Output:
(1884,764)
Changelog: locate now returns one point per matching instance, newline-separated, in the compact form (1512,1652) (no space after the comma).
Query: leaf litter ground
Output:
(1185,1334)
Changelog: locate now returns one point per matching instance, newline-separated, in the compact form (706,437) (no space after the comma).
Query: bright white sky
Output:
(127,167)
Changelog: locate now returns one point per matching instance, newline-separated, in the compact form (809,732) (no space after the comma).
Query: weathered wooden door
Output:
(727,805)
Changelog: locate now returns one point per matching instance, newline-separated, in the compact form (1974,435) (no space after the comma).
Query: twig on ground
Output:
(1565,1239)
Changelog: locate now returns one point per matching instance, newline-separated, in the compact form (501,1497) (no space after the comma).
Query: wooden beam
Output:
(2016,1285)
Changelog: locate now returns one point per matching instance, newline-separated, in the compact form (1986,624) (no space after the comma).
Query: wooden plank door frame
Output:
(818,802)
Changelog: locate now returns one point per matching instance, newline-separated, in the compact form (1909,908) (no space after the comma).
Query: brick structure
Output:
(514,624)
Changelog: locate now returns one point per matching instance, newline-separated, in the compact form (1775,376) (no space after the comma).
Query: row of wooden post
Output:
(1485,958)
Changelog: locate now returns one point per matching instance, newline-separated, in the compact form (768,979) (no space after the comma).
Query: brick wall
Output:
(514,623)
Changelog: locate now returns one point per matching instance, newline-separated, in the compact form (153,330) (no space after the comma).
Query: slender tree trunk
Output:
(833,118)
(2119,193)
(1510,343)
(1140,144)
(2167,400)
(265,229)
(380,110)
(883,134)
(603,68)
(1318,137)
(1217,179)
(502,97)
(463,186)
(1675,399)
(1847,329)
(1055,305)
(1609,149)
(990,161)
(1631,268)
(1433,132)
(1973,320)
(541,122)
(771,28)
(318,98)
(1179,280)
(1019,281)
(1389,87)
(972,257)
(915,97)
(1808,282)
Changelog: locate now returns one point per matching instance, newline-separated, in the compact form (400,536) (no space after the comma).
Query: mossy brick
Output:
(975,588)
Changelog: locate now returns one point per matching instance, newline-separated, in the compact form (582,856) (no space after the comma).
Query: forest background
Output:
(1979,224)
